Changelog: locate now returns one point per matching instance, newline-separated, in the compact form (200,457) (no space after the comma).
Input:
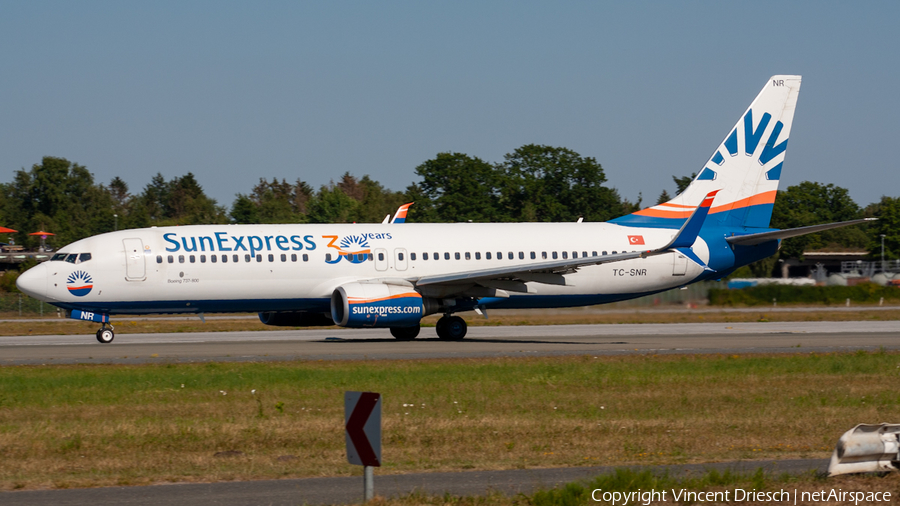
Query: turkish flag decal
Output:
(635,239)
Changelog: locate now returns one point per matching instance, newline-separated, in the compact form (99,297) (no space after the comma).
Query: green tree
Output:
(457,187)
(545,183)
(57,196)
(681,183)
(180,201)
(811,203)
(332,205)
(663,197)
(887,210)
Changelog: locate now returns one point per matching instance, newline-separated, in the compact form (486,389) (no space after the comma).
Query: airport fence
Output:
(691,295)
(12,304)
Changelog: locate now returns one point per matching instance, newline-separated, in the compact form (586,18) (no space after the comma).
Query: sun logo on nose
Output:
(79,283)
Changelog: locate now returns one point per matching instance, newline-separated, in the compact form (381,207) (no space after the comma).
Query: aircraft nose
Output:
(33,282)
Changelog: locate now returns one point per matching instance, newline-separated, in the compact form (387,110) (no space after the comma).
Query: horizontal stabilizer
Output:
(753,239)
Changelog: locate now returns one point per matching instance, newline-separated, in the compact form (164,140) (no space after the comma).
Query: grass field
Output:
(646,488)
(92,425)
(123,324)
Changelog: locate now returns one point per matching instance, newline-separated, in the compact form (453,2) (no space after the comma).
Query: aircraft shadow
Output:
(335,340)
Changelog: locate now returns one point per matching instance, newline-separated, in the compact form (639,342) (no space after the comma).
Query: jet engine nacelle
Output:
(295,319)
(378,305)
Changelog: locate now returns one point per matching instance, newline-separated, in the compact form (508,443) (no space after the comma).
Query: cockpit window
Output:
(72,258)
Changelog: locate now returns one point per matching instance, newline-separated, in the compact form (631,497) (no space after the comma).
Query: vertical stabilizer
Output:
(746,166)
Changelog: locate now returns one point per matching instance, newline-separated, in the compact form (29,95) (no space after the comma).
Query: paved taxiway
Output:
(349,489)
(345,344)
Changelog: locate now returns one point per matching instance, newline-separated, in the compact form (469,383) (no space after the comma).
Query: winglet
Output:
(400,217)
(691,229)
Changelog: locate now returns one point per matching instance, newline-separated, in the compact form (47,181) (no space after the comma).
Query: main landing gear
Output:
(451,328)
(106,335)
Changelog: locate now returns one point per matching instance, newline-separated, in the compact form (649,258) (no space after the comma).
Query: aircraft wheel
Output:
(105,336)
(405,333)
(454,328)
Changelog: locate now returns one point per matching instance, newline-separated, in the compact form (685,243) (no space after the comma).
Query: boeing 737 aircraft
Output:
(391,275)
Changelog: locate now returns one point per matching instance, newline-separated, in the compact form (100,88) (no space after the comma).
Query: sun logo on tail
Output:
(79,283)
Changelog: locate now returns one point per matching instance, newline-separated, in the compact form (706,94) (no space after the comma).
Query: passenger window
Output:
(468,256)
(202,259)
(574,254)
(400,256)
(544,255)
(306,257)
(604,253)
(499,255)
(159,259)
(613,252)
(224,259)
(511,256)
(213,258)
(446,256)
(521,255)
(283,257)
(533,255)
(456,255)
(71,258)
(84,257)
(192,259)
(246,258)
(181,259)
(412,256)
(436,256)
(371,257)
(171,259)
(477,255)
(381,257)
(425,256)
(487,255)
(593,253)
(293,257)
(327,257)
(584,254)
(235,258)
(555,256)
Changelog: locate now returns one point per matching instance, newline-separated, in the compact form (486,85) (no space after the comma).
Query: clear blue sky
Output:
(235,91)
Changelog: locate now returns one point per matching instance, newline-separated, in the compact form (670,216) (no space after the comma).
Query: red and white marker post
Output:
(362,420)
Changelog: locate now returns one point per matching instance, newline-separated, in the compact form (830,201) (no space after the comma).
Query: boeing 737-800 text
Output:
(391,275)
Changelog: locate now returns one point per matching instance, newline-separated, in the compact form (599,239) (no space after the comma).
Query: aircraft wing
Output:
(543,272)
(753,239)
(552,272)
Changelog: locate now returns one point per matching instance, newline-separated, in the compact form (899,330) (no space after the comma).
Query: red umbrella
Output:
(4,230)
(43,236)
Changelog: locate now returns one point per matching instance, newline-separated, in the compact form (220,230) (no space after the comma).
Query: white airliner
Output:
(391,275)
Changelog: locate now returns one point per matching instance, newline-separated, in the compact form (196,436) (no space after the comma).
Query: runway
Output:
(509,341)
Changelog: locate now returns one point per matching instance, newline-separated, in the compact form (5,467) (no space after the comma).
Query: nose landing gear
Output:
(451,328)
(106,334)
